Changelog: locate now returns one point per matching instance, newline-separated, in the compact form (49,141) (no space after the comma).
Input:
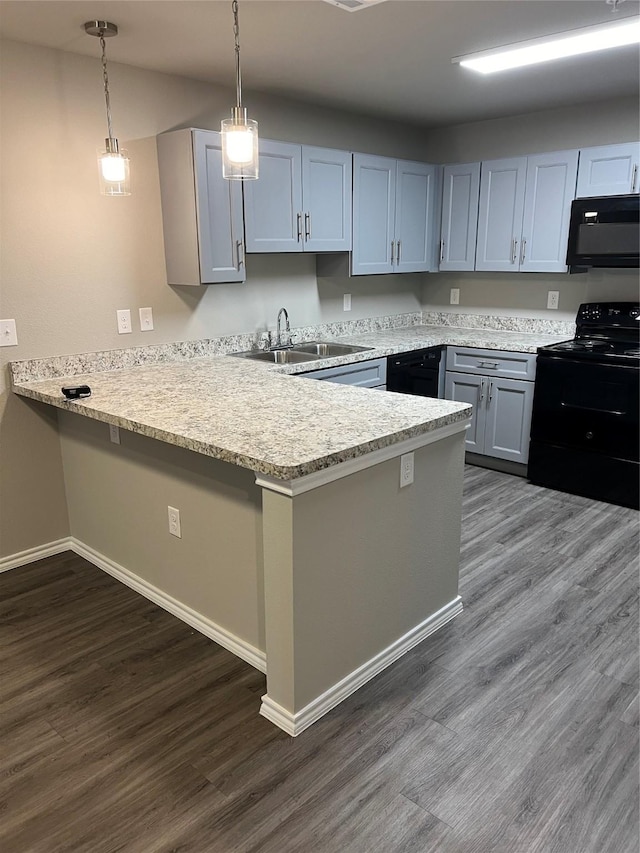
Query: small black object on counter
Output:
(75,392)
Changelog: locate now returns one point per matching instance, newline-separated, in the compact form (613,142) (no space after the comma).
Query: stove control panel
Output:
(609,313)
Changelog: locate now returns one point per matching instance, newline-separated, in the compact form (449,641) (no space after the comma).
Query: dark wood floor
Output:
(513,730)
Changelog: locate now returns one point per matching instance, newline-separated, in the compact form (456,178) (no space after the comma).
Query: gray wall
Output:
(216,567)
(525,294)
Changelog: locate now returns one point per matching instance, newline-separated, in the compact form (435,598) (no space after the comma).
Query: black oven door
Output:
(587,406)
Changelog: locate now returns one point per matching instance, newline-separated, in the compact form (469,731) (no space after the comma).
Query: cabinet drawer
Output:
(487,362)
(366,374)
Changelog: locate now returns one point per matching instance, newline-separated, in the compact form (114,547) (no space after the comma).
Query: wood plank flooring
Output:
(512,730)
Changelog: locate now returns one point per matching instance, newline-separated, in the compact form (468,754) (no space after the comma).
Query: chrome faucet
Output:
(286,342)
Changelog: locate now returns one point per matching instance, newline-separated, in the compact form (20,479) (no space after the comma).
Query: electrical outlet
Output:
(8,333)
(454,299)
(553,299)
(114,434)
(346,302)
(174,522)
(146,319)
(124,321)
(406,469)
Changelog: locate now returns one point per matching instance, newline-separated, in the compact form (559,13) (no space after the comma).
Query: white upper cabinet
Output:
(523,219)
(201,211)
(393,209)
(549,191)
(460,191)
(374,198)
(301,202)
(326,199)
(502,186)
(609,170)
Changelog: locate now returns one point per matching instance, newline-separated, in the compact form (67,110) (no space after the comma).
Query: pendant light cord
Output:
(105,78)
(236,32)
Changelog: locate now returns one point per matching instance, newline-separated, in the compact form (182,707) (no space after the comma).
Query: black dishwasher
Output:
(415,372)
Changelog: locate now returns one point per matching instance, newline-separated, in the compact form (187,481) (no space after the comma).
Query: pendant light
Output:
(113,163)
(239,133)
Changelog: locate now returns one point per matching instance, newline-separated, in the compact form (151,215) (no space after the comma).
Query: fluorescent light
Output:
(557,46)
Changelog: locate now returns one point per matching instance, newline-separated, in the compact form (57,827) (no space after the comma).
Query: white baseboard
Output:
(215,632)
(294,724)
(31,555)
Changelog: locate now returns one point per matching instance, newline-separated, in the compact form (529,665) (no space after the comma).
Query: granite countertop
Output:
(249,413)
(393,341)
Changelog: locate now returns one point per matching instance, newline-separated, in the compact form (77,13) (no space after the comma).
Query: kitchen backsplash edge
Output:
(33,370)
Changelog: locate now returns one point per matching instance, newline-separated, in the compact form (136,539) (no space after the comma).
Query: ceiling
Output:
(391,60)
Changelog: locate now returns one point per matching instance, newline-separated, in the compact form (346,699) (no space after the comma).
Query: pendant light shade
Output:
(113,163)
(239,133)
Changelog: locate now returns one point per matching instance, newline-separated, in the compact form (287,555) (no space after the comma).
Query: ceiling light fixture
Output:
(239,133)
(112,162)
(557,46)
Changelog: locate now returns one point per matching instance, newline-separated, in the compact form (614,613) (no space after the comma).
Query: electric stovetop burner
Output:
(583,345)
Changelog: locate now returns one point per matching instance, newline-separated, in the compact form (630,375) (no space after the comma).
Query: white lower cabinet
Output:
(501,419)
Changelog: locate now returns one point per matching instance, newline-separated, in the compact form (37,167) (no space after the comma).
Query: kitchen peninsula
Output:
(299,550)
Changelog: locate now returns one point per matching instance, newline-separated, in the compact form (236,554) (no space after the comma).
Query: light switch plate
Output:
(346,302)
(146,319)
(114,434)
(8,333)
(455,296)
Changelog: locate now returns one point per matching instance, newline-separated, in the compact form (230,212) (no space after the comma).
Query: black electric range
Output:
(585,424)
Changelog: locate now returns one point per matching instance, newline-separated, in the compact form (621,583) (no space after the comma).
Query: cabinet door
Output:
(326,199)
(219,214)
(608,170)
(273,203)
(502,185)
(464,388)
(459,228)
(508,419)
(550,188)
(374,193)
(413,216)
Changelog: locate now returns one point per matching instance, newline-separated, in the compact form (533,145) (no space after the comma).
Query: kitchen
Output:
(65,294)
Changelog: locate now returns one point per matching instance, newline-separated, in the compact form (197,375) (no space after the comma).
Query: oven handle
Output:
(590,409)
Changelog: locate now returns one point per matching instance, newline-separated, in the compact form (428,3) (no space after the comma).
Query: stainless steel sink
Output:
(278,356)
(323,349)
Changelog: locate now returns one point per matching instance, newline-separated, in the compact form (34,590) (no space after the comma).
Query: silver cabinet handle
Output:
(481,397)
(634,176)
(393,243)
(441,251)
(490,392)
(299,219)
(523,247)
(398,244)
(514,250)
(307,226)
(492,364)
(239,253)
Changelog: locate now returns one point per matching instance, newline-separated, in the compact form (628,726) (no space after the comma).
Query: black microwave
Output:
(604,232)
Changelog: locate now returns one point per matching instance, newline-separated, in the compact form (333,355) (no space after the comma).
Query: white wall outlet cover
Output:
(406,469)
(124,321)
(146,319)
(553,299)
(346,302)
(8,333)
(174,522)
(114,434)
(455,296)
